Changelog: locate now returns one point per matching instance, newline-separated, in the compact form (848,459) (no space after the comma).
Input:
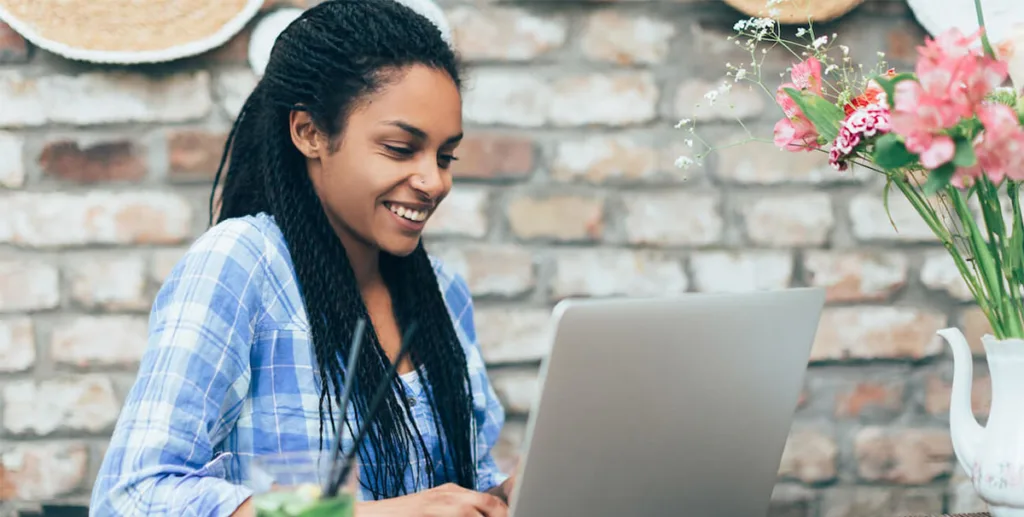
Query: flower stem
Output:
(985,44)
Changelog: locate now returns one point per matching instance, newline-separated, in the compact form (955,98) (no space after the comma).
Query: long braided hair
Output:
(324,63)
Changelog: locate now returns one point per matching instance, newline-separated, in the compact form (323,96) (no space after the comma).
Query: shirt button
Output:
(412,401)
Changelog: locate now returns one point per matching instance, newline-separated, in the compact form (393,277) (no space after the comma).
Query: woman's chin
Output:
(400,246)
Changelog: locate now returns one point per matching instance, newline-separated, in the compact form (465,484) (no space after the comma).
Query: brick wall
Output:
(566,187)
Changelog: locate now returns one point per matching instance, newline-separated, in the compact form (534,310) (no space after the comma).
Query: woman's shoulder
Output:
(238,250)
(256,234)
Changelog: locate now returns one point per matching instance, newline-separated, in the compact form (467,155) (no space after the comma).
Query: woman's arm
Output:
(192,381)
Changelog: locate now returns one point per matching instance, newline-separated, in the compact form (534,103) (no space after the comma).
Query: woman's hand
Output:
(449,500)
(504,490)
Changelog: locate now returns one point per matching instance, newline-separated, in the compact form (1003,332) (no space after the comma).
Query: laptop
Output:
(666,406)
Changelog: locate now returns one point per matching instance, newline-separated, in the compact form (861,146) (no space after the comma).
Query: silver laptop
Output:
(666,406)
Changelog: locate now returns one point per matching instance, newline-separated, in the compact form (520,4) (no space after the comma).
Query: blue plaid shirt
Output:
(229,374)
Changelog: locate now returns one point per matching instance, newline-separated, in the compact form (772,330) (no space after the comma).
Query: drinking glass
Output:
(291,485)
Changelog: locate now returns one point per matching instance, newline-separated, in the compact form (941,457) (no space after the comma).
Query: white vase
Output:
(993,455)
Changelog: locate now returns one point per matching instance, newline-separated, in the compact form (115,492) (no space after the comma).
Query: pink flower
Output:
(1000,145)
(807,75)
(950,67)
(920,118)
(863,123)
(795,132)
(952,81)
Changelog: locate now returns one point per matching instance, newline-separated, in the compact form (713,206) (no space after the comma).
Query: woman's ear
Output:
(305,135)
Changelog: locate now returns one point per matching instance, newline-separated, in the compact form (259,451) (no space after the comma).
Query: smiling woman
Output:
(337,161)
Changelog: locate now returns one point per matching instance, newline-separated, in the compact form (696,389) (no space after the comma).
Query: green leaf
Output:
(825,116)
(1015,245)
(889,85)
(939,178)
(885,202)
(964,156)
(890,152)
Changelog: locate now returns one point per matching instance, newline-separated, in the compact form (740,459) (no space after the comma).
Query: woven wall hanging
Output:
(128,31)
(797,11)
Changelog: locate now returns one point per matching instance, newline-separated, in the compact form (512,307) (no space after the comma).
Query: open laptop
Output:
(666,406)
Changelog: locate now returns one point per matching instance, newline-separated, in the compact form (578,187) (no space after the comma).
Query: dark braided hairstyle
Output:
(325,63)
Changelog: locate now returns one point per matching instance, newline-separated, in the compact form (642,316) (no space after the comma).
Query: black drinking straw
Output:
(346,393)
(374,406)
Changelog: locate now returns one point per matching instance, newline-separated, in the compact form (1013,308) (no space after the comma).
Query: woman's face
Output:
(389,170)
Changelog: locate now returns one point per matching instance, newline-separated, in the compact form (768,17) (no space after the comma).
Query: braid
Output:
(324,63)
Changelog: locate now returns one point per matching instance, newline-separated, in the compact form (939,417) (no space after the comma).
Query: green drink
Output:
(290,485)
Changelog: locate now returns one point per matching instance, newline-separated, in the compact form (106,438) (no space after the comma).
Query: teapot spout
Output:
(965,430)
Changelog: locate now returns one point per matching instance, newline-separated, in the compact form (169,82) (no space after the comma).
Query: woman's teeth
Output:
(408,213)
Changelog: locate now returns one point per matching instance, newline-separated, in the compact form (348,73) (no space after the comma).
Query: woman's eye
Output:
(404,151)
(445,160)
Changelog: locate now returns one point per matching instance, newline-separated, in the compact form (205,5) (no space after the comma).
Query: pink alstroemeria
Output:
(999,147)
(795,132)
(807,75)
(919,118)
(950,68)
(952,82)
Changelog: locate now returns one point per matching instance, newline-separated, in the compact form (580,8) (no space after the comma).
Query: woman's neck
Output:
(362,257)
(365,263)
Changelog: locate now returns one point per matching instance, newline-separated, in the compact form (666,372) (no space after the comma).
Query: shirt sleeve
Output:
(192,381)
(489,415)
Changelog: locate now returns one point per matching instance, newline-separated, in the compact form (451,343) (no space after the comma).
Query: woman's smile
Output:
(410,216)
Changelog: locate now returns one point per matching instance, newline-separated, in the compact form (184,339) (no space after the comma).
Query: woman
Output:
(337,160)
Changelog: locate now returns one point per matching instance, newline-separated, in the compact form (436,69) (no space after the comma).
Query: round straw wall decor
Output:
(797,11)
(128,31)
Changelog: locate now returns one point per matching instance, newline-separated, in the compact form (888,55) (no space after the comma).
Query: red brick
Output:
(905,456)
(809,455)
(557,217)
(494,33)
(195,153)
(902,42)
(463,213)
(938,391)
(28,285)
(17,344)
(13,47)
(974,324)
(99,341)
(494,156)
(108,160)
(869,397)
(877,333)
(96,217)
(42,471)
(856,276)
(83,404)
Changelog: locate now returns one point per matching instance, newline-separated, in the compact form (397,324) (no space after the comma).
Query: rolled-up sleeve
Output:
(192,382)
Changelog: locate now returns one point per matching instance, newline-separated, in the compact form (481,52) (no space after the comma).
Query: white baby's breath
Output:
(684,162)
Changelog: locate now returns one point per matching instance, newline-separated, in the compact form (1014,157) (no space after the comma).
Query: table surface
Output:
(954,515)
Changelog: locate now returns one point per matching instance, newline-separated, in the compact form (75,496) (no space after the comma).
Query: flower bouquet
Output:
(947,135)
(950,138)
